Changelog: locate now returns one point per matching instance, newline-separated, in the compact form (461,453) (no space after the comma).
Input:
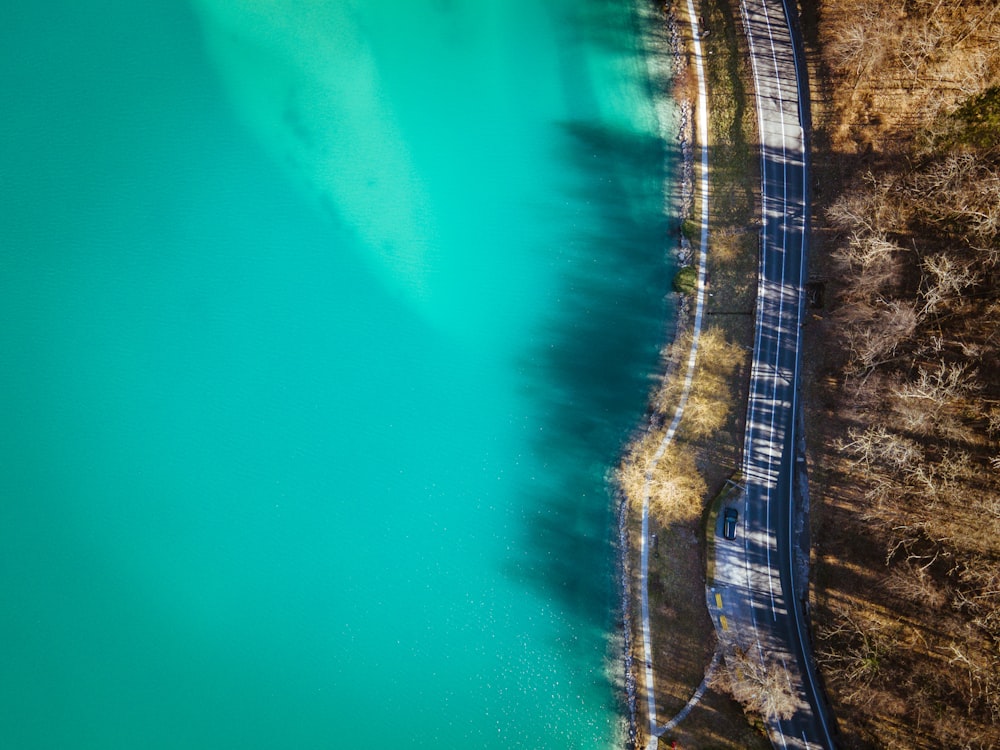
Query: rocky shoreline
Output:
(679,205)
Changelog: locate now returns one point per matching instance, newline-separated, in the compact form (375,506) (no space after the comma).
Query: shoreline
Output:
(702,450)
(678,207)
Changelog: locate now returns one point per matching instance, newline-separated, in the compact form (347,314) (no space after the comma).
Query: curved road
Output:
(759,582)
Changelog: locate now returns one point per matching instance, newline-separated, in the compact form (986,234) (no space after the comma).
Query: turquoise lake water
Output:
(321,324)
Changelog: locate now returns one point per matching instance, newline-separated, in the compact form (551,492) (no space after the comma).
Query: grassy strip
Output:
(706,450)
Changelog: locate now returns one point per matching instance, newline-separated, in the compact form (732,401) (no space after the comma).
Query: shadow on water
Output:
(601,23)
(635,33)
(590,378)
(612,27)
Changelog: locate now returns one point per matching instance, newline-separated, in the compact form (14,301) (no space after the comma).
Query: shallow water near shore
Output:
(322,329)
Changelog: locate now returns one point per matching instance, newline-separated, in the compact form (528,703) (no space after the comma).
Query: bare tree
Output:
(960,192)
(866,209)
(873,332)
(678,489)
(757,681)
(929,403)
(861,44)
(945,278)
(854,652)
(872,261)
(877,447)
(913,582)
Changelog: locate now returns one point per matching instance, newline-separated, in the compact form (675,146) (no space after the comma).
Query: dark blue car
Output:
(729,519)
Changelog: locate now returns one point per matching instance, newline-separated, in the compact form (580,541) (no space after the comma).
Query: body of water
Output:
(321,324)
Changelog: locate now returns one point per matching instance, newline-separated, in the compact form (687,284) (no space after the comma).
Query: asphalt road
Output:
(753,595)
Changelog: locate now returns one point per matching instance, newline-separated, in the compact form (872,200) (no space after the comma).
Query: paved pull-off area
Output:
(755,597)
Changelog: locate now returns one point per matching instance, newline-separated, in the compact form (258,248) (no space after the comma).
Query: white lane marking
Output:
(755,375)
(781,297)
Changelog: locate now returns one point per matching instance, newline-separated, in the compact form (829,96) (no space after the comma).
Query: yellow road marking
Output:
(718,601)
(722,621)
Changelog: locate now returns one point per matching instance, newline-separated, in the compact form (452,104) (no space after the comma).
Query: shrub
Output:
(686,280)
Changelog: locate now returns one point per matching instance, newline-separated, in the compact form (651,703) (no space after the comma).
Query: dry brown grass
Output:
(899,65)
